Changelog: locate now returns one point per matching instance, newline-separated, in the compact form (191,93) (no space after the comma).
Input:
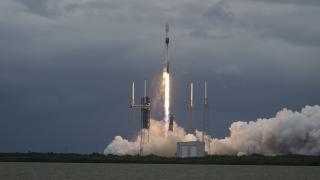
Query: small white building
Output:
(190,149)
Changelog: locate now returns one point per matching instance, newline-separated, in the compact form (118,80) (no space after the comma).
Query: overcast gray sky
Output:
(66,66)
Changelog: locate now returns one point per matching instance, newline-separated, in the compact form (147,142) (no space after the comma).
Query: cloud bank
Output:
(63,61)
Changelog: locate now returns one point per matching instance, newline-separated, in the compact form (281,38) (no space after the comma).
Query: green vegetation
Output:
(151,159)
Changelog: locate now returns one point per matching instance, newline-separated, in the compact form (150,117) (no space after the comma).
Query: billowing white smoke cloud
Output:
(287,133)
(159,143)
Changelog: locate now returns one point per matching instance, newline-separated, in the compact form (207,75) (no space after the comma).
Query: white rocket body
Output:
(166,65)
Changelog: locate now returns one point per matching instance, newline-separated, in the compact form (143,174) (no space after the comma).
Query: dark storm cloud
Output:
(298,2)
(219,11)
(269,20)
(297,25)
(92,5)
(40,7)
(66,66)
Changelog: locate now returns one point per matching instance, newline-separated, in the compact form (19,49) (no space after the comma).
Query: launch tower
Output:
(145,107)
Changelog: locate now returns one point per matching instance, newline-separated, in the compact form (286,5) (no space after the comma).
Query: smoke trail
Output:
(289,132)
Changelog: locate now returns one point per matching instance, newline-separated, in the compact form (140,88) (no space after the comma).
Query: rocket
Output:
(166,64)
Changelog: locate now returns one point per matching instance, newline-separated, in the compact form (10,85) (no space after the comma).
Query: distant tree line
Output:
(255,159)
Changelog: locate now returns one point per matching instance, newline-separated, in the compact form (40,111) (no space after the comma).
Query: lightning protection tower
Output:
(205,136)
(132,123)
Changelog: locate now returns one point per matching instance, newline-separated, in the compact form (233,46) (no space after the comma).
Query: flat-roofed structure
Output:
(190,149)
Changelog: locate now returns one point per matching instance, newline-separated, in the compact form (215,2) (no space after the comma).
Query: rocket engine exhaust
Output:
(166,86)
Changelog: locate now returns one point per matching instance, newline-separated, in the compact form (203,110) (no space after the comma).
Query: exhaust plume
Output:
(166,89)
(159,143)
(289,132)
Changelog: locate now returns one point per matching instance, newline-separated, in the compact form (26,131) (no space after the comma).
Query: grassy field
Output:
(151,159)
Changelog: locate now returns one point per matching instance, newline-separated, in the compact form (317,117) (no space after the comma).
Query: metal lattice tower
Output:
(171,118)
(145,118)
(145,107)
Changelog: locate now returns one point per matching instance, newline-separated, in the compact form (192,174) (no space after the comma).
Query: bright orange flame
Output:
(166,83)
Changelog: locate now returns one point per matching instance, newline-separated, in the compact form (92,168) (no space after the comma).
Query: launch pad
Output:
(169,117)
